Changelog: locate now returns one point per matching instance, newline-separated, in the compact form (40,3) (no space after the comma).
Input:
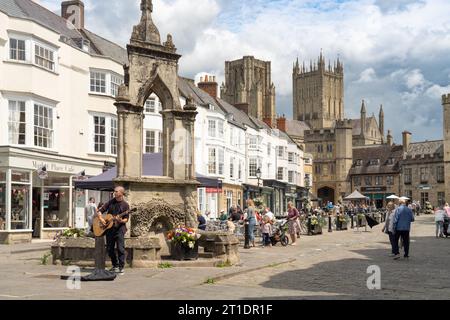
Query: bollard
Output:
(309,226)
(353,224)
(246,236)
(330,229)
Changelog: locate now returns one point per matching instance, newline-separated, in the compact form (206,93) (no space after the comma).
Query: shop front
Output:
(36,194)
(279,200)
(377,196)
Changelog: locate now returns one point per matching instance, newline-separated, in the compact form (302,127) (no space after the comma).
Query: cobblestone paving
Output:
(331,266)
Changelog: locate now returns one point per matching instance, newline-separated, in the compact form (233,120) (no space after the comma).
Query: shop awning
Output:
(152,167)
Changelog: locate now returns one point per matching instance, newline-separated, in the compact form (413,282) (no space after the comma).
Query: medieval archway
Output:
(326,194)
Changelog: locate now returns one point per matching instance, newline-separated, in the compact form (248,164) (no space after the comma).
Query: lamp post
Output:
(258,176)
(307,187)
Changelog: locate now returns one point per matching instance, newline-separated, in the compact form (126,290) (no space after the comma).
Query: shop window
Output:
(56,207)
(424,198)
(20,202)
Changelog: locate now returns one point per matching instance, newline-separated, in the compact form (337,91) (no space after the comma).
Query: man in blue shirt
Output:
(402,227)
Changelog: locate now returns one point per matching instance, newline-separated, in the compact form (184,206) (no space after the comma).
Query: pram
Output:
(279,233)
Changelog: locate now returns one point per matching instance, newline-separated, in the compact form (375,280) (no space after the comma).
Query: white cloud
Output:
(407,42)
(367,75)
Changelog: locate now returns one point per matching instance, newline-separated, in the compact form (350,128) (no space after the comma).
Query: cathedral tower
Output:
(248,81)
(318,93)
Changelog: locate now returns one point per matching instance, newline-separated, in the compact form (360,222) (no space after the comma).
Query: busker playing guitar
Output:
(116,234)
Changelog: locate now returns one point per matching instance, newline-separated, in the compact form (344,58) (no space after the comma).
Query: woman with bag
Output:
(389,225)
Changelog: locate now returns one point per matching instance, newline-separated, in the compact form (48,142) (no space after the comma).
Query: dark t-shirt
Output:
(115,208)
(201,222)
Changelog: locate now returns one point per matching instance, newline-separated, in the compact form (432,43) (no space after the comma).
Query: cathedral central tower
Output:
(318,93)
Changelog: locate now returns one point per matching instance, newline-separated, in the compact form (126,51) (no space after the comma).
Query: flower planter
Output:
(183,252)
(342,226)
(316,229)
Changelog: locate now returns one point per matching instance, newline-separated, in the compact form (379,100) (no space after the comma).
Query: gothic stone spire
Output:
(146,31)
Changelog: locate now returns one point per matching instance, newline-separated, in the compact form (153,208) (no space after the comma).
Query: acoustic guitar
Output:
(110,221)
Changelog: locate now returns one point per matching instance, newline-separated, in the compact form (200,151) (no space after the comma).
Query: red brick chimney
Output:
(209,85)
(243,107)
(281,123)
(268,121)
(73,11)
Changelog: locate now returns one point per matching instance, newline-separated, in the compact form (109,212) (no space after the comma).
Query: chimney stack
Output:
(281,123)
(406,140)
(73,11)
(209,85)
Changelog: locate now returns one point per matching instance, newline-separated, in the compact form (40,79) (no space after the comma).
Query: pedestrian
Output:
(402,227)
(89,212)
(294,227)
(223,216)
(251,220)
(266,231)
(269,213)
(201,221)
(235,216)
(389,225)
(440,218)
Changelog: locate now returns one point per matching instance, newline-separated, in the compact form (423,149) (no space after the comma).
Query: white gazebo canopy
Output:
(393,197)
(356,196)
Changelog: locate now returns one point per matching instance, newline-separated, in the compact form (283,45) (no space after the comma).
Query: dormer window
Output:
(211,107)
(374,162)
(359,163)
(390,161)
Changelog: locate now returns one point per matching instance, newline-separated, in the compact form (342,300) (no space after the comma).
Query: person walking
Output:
(402,227)
(89,212)
(266,231)
(251,220)
(440,218)
(389,225)
(294,227)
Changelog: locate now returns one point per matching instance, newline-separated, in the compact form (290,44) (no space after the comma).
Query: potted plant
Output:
(342,221)
(184,245)
(317,223)
(361,220)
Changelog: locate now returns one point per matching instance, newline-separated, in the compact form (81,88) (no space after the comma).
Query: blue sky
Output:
(395,52)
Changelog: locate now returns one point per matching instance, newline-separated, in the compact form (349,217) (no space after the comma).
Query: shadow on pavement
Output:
(426,275)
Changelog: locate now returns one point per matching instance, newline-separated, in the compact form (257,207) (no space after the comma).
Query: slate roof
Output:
(239,116)
(417,149)
(30,10)
(382,152)
(371,122)
(296,128)
(104,47)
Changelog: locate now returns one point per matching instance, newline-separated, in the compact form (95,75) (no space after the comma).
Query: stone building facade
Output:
(332,153)
(423,175)
(248,85)
(376,172)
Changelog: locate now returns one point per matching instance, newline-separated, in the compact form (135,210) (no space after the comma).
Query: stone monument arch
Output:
(153,68)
